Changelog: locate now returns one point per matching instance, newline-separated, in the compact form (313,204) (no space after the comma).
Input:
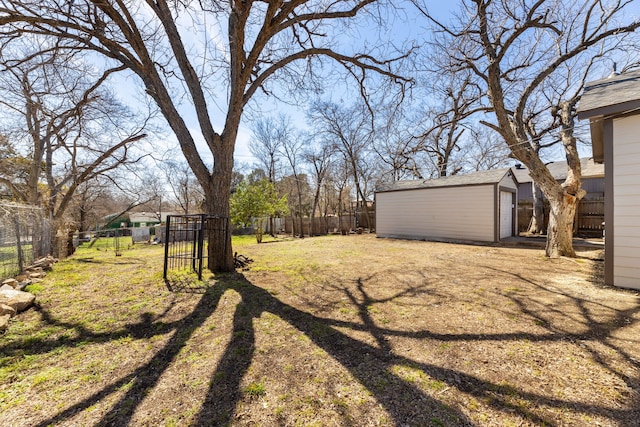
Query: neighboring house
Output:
(479,207)
(143,219)
(590,212)
(133,219)
(113,221)
(612,106)
(592,178)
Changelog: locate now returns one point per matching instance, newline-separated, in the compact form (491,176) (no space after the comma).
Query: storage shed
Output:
(612,106)
(478,207)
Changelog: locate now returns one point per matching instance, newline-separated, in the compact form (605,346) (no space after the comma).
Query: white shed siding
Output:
(465,213)
(626,202)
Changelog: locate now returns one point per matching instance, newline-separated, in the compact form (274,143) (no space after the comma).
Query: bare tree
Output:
(291,149)
(515,48)
(338,190)
(92,202)
(395,145)
(268,136)
(185,189)
(484,150)
(351,131)
(263,41)
(318,156)
(71,126)
(457,96)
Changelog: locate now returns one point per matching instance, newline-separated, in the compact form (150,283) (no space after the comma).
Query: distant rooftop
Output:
(590,169)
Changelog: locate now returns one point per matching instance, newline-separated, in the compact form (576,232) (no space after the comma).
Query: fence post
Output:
(19,244)
(166,245)
(203,222)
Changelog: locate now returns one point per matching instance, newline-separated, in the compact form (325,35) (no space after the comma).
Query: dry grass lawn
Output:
(327,331)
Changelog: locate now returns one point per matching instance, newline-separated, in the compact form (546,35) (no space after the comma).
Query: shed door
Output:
(506,214)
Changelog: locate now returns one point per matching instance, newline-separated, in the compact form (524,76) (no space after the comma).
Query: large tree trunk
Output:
(217,205)
(560,228)
(565,201)
(536,226)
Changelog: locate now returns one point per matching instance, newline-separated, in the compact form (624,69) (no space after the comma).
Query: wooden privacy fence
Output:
(330,224)
(588,222)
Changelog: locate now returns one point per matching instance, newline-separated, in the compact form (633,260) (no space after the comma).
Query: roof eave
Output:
(609,110)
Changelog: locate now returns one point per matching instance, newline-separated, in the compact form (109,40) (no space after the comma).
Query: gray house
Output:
(612,106)
(478,207)
(592,178)
(590,212)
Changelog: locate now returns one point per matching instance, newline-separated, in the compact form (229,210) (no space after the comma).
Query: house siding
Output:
(456,213)
(626,202)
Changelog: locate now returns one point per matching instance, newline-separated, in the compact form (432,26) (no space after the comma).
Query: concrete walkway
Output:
(541,241)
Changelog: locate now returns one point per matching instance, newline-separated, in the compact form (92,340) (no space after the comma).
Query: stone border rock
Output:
(13,298)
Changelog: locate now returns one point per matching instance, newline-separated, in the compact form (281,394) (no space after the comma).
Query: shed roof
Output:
(590,169)
(476,178)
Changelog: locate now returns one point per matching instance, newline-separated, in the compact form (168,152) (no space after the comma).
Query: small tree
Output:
(253,203)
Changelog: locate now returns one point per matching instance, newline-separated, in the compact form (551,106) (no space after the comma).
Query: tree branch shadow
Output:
(370,364)
(144,378)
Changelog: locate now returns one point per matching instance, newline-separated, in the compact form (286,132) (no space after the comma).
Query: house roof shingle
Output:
(612,95)
(590,169)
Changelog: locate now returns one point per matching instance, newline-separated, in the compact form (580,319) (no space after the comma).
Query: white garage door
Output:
(506,214)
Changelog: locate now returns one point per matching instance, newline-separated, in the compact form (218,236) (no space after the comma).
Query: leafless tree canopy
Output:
(187,52)
(529,58)
(66,126)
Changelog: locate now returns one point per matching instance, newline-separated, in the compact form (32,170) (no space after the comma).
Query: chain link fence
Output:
(24,237)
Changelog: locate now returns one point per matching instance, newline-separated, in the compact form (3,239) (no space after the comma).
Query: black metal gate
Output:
(185,240)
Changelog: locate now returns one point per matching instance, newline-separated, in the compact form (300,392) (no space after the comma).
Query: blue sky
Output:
(410,26)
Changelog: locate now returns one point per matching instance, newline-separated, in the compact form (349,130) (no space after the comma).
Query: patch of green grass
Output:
(443,346)
(34,288)
(250,239)
(435,385)
(47,375)
(436,422)
(255,389)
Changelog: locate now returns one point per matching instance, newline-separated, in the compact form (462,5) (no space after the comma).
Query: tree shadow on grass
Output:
(143,379)
(370,364)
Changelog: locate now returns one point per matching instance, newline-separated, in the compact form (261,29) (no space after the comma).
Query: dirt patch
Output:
(341,330)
